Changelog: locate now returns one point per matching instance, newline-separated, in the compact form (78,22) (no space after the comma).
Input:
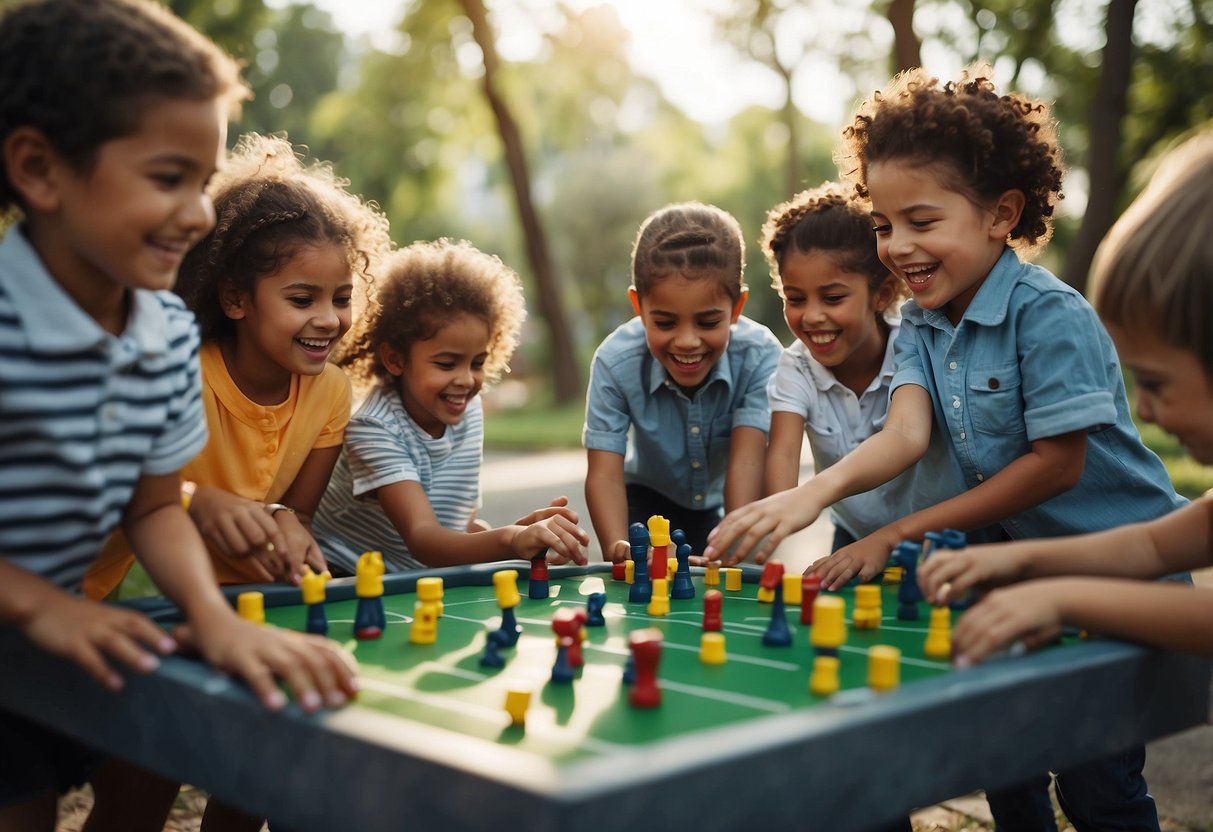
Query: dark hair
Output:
(268,206)
(691,240)
(828,218)
(983,142)
(423,287)
(82,72)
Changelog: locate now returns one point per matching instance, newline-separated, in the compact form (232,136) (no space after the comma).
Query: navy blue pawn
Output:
(369,618)
(641,590)
(683,587)
(562,670)
(492,652)
(908,593)
(508,633)
(593,608)
(317,620)
(778,634)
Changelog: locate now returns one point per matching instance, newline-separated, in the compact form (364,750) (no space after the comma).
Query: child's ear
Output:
(1007,211)
(634,297)
(33,168)
(232,300)
(737,307)
(392,360)
(883,297)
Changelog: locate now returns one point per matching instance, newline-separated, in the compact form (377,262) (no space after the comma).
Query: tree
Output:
(907,48)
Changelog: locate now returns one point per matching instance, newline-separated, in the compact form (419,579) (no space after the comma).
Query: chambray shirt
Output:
(677,445)
(1029,360)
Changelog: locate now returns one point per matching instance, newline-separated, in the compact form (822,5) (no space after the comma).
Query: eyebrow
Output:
(312,287)
(909,209)
(715,310)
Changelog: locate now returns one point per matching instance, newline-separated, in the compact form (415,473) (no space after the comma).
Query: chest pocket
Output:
(995,400)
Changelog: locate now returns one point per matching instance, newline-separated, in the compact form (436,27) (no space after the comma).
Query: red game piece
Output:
(659,566)
(810,586)
(646,653)
(713,602)
(537,584)
(772,575)
(619,571)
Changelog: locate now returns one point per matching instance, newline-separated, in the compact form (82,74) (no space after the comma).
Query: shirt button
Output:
(981,478)
(962,434)
(952,366)
(955,403)
(699,498)
(694,463)
(695,430)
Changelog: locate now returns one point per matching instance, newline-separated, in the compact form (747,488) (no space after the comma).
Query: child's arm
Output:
(409,509)
(607,500)
(302,498)
(239,528)
(1053,466)
(761,526)
(743,480)
(168,545)
(783,452)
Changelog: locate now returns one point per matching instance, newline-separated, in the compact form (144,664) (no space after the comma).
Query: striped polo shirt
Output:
(83,413)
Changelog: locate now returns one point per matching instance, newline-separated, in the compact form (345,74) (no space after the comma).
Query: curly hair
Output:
(423,287)
(268,206)
(983,143)
(690,240)
(82,72)
(828,218)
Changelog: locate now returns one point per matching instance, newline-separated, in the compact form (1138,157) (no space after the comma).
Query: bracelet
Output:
(274,508)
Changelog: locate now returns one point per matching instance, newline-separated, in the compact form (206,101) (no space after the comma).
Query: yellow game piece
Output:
(884,667)
(732,578)
(892,575)
(791,589)
(517,700)
(251,607)
(659,531)
(766,595)
(671,568)
(660,602)
(430,590)
(505,583)
(629,571)
(711,648)
(425,623)
(312,585)
(866,615)
(368,575)
(824,680)
(711,577)
(939,634)
(829,628)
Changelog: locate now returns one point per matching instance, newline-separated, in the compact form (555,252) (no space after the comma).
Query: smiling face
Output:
(934,237)
(1173,389)
(686,325)
(441,374)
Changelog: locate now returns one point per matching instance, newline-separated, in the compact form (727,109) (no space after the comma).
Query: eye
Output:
(478,364)
(342,301)
(168,179)
(300,301)
(709,323)
(664,325)
(445,365)
(881,229)
(793,301)
(835,299)
(921,223)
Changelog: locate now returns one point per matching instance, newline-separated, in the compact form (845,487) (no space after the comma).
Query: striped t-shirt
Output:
(383,445)
(83,413)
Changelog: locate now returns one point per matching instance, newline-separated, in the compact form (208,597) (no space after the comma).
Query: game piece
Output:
(594,604)
(829,630)
(566,624)
(642,588)
(866,615)
(369,618)
(659,539)
(824,679)
(424,629)
(646,650)
(892,575)
(884,667)
(619,571)
(953,539)
(711,648)
(491,657)
(562,670)
(732,578)
(766,590)
(517,700)
(930,541)
(537,584)
(629,571)
(810,586)
(777,634)
(678,537)
(711,575)
(908,594)
(311,586)
(251,607)
(671,569)
(505,583)
(659,604)
(939,634)
(629,670)
(683,586)
(429,590)
(713,606)
(792,589)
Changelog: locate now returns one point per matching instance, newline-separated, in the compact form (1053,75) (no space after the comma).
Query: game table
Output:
(428,744)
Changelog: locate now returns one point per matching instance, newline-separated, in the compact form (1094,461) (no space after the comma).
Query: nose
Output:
(686,337)
(198,214)
(1145,410)
(814,312)
(326,316)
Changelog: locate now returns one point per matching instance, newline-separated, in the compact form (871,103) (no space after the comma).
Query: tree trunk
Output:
(907,48)
(791,117)
(1105,128)
(566,376)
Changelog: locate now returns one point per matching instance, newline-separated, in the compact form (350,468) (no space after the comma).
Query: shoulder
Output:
(627,341)
(754,344)
(1038,292)
(332,381)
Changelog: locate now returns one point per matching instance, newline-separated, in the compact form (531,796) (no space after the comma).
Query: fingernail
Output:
(269,546)
(310,701)
(166,645)
(148,662)
(275,700)
(336,699)
(962,663)
(114,682)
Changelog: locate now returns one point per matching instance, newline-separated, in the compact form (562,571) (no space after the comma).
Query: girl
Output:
(1007,387)
(832,385)
(272,287)
(445,322)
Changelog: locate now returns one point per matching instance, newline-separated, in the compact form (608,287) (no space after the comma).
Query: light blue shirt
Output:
(1029,360)
(675,444)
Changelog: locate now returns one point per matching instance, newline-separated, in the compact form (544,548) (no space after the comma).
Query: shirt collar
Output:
(989,306)
(719,372)
(823,378)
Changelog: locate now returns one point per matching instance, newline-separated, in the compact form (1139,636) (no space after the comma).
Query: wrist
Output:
(274,508)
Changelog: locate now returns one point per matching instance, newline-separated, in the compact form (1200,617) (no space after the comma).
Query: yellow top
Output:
(429,589)
(312,585)
(505,583)
(368,577)
(659,531)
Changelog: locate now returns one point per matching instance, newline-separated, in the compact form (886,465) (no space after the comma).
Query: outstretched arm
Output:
(607,500)
(782,470)
(743,480)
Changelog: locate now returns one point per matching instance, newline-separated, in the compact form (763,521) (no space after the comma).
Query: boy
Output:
(113,115)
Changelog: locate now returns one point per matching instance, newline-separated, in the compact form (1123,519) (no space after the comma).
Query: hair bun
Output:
(690,238)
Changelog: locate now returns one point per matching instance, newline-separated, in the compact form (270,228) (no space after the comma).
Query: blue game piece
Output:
(641,590)
(953,539)
(537,583)
(593,607)
(908,593)
(369,618)
(562,671)
(629,670)
(509,631)
(683,586)
(778,634)
(492,656)
(317,620)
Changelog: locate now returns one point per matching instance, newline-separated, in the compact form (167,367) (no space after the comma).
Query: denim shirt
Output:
(678,444)
(1029,360)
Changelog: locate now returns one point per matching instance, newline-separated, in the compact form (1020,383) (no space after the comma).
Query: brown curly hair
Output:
(82,72)
(423,287)
(691,240)
(983,142)
(268,206)
(829,218)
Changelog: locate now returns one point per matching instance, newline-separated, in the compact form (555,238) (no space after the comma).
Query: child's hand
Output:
(316,670)
(949,574)
(563,538)
(558,506)
(618,552)
(237,527)
(1029,614)
(772,518)
(864,558)
(92,635)
(300,549)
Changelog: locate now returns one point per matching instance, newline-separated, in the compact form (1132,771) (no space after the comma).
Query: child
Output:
(106,151)
(677,414)
(832,384)
(1152,281)
(445,322)
(1005,380)
(272,288)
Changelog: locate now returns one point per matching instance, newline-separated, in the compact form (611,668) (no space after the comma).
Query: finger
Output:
(93,661)
(149,633)
(560,501)
(315,559)
(258,676)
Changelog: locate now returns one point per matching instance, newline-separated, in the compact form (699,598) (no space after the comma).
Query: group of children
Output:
(225,451)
